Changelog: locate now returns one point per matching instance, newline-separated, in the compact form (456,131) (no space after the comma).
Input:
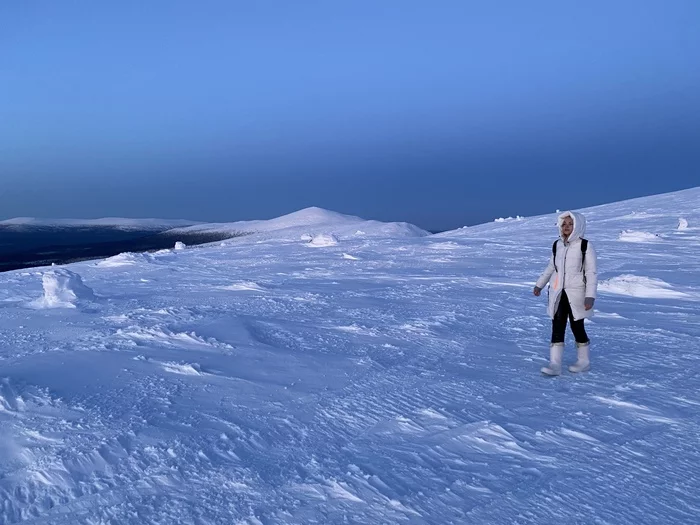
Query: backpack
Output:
(584,247)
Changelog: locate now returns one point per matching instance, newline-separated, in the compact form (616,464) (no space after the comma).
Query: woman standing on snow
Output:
(573,281)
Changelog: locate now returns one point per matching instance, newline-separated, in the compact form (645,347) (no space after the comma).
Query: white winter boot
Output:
(556,352)
(583,363)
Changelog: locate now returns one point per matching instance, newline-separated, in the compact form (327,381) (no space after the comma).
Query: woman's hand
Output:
(588,303)
(537,291)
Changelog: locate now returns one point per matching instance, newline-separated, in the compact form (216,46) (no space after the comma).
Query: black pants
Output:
(559,322)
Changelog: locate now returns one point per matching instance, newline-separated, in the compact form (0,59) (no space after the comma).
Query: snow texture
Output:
(393,378)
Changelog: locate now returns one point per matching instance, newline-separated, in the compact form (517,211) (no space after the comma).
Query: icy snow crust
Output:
(385,379)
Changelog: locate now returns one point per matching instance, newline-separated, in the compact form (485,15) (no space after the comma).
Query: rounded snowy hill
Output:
(311,221)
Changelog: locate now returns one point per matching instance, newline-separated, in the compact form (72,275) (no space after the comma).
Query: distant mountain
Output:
(313,220)
(107,222)
(27,242)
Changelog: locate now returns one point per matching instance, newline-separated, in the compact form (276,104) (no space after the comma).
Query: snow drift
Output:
(123,259)
(640,286)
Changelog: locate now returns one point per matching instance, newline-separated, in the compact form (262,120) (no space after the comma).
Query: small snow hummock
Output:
(516,218)
(682,224)
(323,239)
(180,245)
(123,259)
(244,286)
(306,237)
(633,236)
(63,289)
(640,286)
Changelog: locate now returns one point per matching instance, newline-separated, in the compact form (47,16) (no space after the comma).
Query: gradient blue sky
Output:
(440,113)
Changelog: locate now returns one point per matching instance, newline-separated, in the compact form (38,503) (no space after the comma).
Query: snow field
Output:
(263,382)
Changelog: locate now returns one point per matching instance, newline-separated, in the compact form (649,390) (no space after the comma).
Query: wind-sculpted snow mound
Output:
(63,289)
(123,259)
(323,240)
(634,236)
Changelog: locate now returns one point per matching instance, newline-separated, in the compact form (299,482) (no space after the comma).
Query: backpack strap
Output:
(584,247)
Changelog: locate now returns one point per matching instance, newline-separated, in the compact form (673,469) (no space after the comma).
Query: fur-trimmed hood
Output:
(579,225)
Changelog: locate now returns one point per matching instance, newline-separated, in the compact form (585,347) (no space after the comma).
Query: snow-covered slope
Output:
(356,379)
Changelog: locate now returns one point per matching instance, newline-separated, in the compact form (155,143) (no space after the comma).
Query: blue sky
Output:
(438,113)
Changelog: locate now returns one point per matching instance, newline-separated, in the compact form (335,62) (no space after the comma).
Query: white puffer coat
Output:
(567,272)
